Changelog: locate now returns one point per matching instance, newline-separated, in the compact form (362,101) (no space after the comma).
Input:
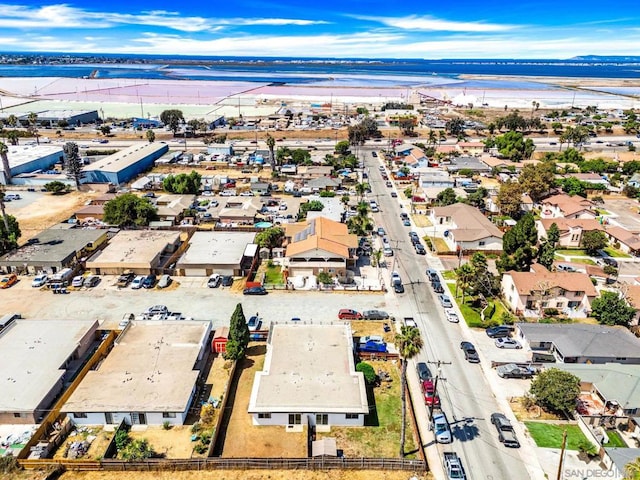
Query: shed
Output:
(220,339)
(325,447)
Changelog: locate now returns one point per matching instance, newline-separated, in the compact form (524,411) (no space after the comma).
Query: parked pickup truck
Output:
(506,433)
(125,279)
(511,370)
(453,466)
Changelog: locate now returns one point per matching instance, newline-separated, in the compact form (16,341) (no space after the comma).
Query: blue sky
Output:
(326,28)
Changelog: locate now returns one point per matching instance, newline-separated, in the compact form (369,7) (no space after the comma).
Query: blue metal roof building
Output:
(124,165)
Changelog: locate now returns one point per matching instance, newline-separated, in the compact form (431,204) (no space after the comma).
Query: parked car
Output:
(137,282)
(429,392)
(506,433)
(375,315)
(511,370)
(156,309)
(77,281)
(406,222)
(394,195)
(506,342)
(388,252)
(420,250)
(149,281)
(389,184)
(499,331)
(414,237)
(39,280)
(381,232)
(214,280)
(91,281)
(452,316)
(470,353)
(437,287)
(227,281)
(433,275)
(125,279)
(255,291)
(441,428)
(398,288)
(349,314)
(445,301)
(254,323)
(395,278)
(423,371)
(126,319)
(165,281)
(404,216)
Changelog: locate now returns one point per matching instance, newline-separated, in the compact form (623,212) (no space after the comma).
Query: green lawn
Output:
(472,315)
(615,440)
(448,275)
(441,245)
(273,275)
(576,252)
(549,435)
(616,253)
(585,261)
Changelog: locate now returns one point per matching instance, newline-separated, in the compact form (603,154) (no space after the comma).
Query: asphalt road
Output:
(466,396)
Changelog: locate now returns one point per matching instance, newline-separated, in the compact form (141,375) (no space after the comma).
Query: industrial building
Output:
(52,250)
(148,378)
(28,159)
(124,165)
(309,377)
(141,251)
(38,357)
(226,253)
(53,117)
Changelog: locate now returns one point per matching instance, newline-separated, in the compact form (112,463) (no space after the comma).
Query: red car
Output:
(430,396)
(349,314)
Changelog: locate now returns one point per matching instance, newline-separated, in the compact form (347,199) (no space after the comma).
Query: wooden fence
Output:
(317,463)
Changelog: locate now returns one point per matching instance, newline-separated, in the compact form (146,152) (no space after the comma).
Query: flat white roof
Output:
(216,248)
(33,357)
(21,154)
(124,158)
(134,248)
(309,368)
(150,369)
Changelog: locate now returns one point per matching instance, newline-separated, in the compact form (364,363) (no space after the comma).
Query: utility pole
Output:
(435,384)
(564,444)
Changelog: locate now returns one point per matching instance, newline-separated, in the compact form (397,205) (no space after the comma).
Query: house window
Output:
(545,304)
(322,419)
(560,305)
(264,415)
(562,292)
(168,414)
(295,419)
(481,243)
(352,416)
(80,415)
(579,294)
(513,287)
(20,415)
(621,359)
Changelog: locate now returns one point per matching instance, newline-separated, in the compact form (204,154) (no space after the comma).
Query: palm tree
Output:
(409,344)
(361,188)
(12,120)
(5,166)
(432,138)
(632,470)
(33,118)
(271,144)
(464,276)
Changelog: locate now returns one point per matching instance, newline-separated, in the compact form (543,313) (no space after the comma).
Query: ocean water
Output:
(329,72)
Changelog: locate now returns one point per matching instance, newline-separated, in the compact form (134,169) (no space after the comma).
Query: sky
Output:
(427,29)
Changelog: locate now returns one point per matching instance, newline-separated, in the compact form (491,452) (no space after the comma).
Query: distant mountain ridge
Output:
(607,58)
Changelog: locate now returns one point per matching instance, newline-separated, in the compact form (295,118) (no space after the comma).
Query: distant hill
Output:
(606,58)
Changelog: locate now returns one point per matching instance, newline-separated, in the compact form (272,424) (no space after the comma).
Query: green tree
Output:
(514,146)
(183,183)
(361,189)
(509,199)
(477,198)
(537,180)
(518,246)
(312,206)
(129,210)
(73,163)
(56,187)
(409,345)
(483,281)
(547,250)
(324,278)
(368,372)
(573,186)
(9,228)
(464,277)
(151,136)
(105,129)
(446,197)
(13,137)
(172,118)
(555,390)
(271,145)
(455,126)
(610,308)
(238,335)
(270,238)
(593,240)
(342,147)
(33,121)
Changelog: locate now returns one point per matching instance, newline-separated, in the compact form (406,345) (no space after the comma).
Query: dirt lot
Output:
(360,328)
(242,436)
(533,413)
(97,448)
(173,443)
(242,474)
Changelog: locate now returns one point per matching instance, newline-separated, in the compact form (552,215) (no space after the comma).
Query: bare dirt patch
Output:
(98,445)
(172,443)
(242,437)
(361,328)
(532,413)
(244,475)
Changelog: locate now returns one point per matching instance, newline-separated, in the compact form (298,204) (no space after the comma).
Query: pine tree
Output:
(238,335)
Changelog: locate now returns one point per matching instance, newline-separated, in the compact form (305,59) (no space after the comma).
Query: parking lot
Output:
(625,212)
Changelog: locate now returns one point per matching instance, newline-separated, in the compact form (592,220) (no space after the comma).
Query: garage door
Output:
(196,272)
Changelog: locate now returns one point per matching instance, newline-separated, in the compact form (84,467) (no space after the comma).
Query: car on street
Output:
(374,155)
(452,316)
(445,301)
(388,252)
(165,281)
(375,315)
(506,342)
(156,309)
(404,216)
(429,391)
(39,280)
(381,232)
(227,281)
(420,250)
(395,278)
(499,331)
(398,288)
(470,353)
(389,184)
(511,370)
(423,371)
(414,236)
(433,275)
(91,281)
(137,282)
(406,222)
(349,314)
(255,291)
(506,433)
(214,280)
(437,287)
(77,281)
(394,195)
(149,281)
(441,429)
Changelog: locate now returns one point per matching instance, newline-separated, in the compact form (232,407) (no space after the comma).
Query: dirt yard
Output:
(97,448)
(242,437)
(173,443)
(243,475)
(533,413)
(360,328)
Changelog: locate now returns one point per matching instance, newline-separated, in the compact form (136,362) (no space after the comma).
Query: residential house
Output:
(239,211)
(571,229)
(324,184)
(629,241)
(471,148)
(171,207)
(581,342)
(565,206)
(592,178)
(615,461)
(467,163)
(530,293)
(319,245)
(632,295)
(634,181)
(434,177)
(314,171)
(309,378)
(467,228)
(260,188)
(415,158)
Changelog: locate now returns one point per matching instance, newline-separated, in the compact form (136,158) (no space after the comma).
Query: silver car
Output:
(441,428)
(507,342)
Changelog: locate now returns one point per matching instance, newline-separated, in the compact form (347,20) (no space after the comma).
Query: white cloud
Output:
(429,23)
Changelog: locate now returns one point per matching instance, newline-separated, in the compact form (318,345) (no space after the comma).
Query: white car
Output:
(214,280)
(228,193)
(387,252)
(39,280)
(246,194)
(207,193)
(452,316)
(395,278)
(137,282)
(77,281)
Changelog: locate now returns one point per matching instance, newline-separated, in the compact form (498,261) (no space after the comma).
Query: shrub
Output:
(166,425)
(200,448)
(325,193)
(325,278)
(9,464)
(122,439)
(196,427)
(368,372)
(507,318)
(550,312)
